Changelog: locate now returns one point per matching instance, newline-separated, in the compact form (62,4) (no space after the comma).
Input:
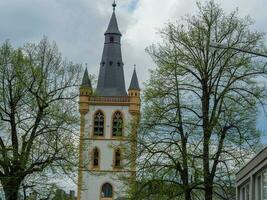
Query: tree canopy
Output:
(38,112)
(200,106)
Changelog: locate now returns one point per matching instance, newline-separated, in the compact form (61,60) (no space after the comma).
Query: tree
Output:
(38,114)
(199,120)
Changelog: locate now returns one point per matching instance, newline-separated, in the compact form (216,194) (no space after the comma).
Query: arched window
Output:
(117,160)
(99,124)
(95,158)
(117,124)
(106,191)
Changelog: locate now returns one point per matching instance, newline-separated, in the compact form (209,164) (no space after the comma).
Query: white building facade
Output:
(251,180)
(108,129)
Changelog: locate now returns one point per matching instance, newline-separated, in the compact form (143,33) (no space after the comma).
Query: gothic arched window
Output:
(117,124)
(95,158)
(117,159)
(99,124)
(106,191)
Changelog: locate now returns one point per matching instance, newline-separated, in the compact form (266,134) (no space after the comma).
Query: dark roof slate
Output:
(134,85)
(111,74)
(113,27)
(86,82)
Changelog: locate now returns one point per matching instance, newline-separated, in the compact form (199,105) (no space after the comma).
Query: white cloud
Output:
(78,26)
(150,15)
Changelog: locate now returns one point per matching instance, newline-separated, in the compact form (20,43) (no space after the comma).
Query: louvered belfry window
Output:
(117,158)
(99,124)
(95,157)
(117,124)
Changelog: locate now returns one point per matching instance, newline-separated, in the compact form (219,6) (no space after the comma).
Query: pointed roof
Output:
(134,85)
(86,82)
(113,27)
(111,74)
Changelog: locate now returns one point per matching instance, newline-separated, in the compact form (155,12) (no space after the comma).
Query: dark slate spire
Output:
(86,81)
(134,85)
(111,76)
(113,27)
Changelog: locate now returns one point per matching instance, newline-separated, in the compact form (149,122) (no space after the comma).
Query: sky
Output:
(78,27)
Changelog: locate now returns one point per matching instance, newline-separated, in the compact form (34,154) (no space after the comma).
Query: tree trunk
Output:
(187,194)
(208,190)
(206,140)
(11,188)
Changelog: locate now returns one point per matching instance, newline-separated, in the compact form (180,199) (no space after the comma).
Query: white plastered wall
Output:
(92,181)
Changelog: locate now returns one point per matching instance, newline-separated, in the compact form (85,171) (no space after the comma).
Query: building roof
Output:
(111,75)
(113,27)
(134,85)
(86,82)
(255,161)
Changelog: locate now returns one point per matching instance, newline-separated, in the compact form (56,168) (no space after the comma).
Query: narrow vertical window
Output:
(99,124)
(95,158)
(117,124)
(111,39)
(247,192)
(106,191)
(259,188)
(117,159)
(264,185)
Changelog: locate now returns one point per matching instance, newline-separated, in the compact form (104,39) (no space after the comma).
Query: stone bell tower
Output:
(109,118)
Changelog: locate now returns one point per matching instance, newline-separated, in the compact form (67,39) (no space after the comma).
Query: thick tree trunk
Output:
(208,181)
(11,188)
(208,186)
(187,195)
(185,174)
(208,190)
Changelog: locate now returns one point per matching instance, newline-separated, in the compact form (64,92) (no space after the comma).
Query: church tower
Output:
(109,119)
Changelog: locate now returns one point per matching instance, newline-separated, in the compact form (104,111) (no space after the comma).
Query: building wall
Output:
(93,179)
(251,180)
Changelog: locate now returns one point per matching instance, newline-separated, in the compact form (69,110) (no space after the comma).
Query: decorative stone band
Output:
(115,100)
(107,139)
(109,171)
(110,99)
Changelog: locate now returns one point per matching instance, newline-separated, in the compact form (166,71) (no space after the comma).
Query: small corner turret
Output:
(85,92)
(134,94)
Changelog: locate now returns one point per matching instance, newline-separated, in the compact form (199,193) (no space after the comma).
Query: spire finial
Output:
(114,5)
(134,66)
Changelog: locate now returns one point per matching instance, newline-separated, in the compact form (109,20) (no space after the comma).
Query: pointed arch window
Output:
(117,159)
(99,124)
(95,158)
(107,191)
(117,124)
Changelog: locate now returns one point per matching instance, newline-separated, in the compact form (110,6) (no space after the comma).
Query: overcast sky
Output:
(78,26)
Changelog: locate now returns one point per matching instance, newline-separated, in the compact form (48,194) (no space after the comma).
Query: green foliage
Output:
(200,109)
(38,113)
